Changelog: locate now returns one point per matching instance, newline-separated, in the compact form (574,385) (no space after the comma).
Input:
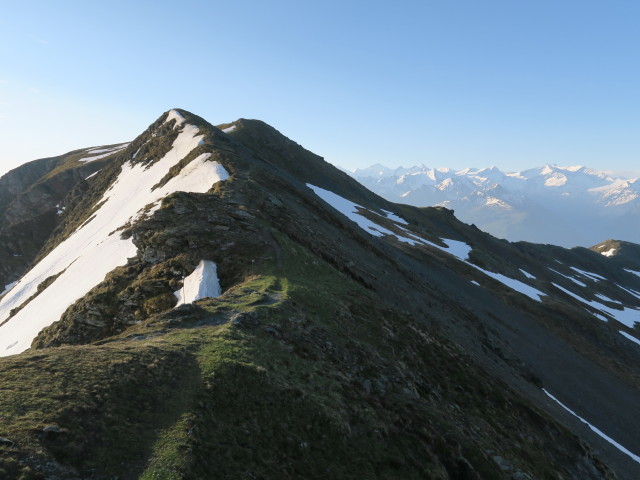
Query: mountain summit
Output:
(566,206)
(219,302)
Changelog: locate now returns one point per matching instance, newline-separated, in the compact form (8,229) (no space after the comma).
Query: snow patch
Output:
(395,217)
(577,282)
(630,337)
(202,282)
(350,210)
(605,298)
(629,291)
(609,253)
(527,274)
(627,316)
(593,276)
(594,429)
(98,157)
(191,179)
(110,149)
(513,284)
(174,115)
(353,212)
(458,249)
(93,174)
(229,129)
(632,271)
(555,180)
(96,248)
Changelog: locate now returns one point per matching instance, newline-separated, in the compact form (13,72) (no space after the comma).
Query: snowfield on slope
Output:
(96,248)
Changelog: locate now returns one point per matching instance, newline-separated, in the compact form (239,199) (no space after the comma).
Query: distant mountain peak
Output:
(578,204)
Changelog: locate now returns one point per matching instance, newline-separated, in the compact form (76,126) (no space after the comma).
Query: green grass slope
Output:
(295,372)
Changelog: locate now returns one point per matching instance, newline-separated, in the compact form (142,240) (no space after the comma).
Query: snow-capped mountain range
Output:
(568,206)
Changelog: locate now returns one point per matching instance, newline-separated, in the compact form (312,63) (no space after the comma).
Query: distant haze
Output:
(567,206)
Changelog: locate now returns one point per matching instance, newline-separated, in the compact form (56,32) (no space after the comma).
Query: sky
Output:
(507,83)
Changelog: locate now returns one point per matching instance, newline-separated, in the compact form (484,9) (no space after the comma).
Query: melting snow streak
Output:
(597,431)
(630,337)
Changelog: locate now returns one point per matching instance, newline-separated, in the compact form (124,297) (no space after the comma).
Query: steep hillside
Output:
(566,206)
(32,202)
(353,337)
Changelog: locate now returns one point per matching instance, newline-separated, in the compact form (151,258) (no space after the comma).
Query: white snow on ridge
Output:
(229,129)
(95,249)
(609,252)
(202,282)
(174,115)
(630,337)
(191,178)
(594,429)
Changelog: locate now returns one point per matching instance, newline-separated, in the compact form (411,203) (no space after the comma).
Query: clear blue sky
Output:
(511,83)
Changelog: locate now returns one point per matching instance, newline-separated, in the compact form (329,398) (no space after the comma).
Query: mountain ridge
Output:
(402,342)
